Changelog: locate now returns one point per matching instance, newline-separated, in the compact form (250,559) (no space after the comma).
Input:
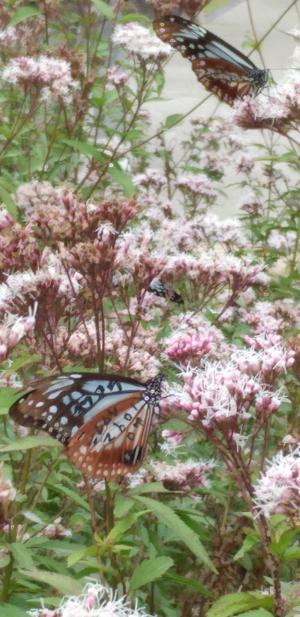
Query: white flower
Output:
(278,489)
(138,40)
(51,75)
(95,601)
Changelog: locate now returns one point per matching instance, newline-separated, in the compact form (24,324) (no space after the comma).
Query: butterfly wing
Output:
(221,68)
(114,443)
(61,404)
(103,421)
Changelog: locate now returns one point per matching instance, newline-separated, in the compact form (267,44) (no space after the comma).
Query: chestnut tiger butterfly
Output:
(102,420)
(221,68)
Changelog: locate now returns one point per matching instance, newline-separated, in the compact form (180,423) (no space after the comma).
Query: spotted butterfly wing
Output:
(103,421)
(221,68)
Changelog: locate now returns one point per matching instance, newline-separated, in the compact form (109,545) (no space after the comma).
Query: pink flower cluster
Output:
(278,489)
(12,330)
(198,184)
(225,394)
(139,41)
(212,270)
(50,76)
(277,110)
(183,476)
(194,340)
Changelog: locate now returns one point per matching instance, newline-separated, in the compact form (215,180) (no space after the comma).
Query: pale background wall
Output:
(232,23)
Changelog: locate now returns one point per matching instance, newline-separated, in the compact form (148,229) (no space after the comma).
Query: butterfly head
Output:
(260,78)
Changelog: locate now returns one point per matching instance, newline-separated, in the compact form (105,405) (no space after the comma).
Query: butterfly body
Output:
(103,421)
(163,290)
(221,68)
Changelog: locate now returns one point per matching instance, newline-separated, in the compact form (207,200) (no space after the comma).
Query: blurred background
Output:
(240,23)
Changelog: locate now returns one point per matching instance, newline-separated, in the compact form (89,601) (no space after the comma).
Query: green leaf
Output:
(183,532)
(72,495)
(7,397)
(27,443)
(236,603)
(24,12)
(172,120)
(150,570)
(8,201)
(122,178)
(64,584)
(81,553)
(125,19)
(104,9)
(249,542)
(151,487)
(259,612)
(189,583)
(22,555)
(84,148)
(122,526)
(9,610)
(292,553)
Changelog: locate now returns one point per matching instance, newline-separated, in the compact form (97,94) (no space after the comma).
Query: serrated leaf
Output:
(183,532)
(64,584)
(104,8)
(123,179)
(122,526)
(237,603)
(27,443)
(150,570)
(23,13)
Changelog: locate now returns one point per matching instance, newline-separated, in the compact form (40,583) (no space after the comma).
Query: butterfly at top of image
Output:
(221,68)
(102,420)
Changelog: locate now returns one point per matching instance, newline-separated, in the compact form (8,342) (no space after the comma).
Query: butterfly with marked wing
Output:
(163,290)
(102,420)
(221,68)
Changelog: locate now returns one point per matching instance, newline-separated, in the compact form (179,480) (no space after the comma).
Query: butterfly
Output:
(162,290)
(221,68)
(102,420)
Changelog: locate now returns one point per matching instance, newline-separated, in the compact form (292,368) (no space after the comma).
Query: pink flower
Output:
(150,178)
(183,476)
(172,438)
(187,347)
(278,489)
(51,76)
(7,490)
(6,220)
(56,531)
(116,76)
(197,184)
(139,41)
